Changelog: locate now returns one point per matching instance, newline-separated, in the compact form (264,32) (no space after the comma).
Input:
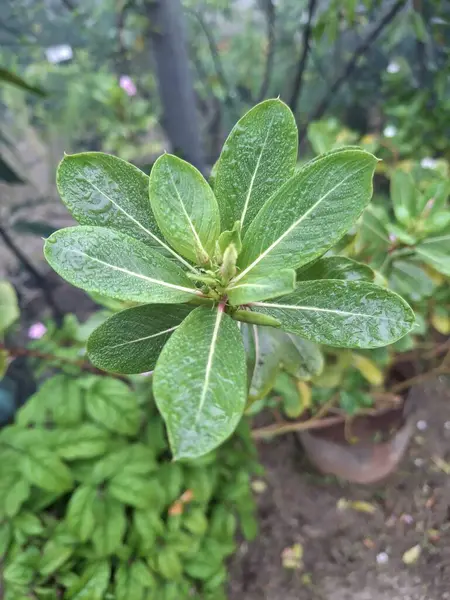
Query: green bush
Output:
(91,505)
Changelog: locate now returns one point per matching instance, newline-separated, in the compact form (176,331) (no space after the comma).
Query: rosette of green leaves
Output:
(198,259)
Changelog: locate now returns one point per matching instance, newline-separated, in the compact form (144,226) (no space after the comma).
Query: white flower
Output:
(421,425)
(390,131)
(393,67)
(428,163)
(382,558)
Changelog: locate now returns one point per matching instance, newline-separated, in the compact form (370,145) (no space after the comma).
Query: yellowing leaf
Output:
(305,394)
(368,369)
(291,557)
(441,323)
(412,555)
(361,506)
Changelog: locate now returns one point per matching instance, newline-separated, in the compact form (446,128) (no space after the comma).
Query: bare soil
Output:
(343,549)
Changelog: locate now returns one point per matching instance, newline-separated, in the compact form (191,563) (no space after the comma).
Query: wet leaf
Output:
(200,382)
(131,341)
(258,157)
(348,314)
(261,287)
(336,267)
(301,221)
(107,262)
(185,208)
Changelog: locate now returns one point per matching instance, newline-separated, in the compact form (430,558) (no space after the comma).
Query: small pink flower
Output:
(126,83)
(36,331)
(392,238)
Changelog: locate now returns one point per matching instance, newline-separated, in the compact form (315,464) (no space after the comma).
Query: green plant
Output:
(172,242)
(92,507)
(9,313)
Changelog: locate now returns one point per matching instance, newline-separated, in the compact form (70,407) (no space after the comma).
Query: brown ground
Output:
(341,546)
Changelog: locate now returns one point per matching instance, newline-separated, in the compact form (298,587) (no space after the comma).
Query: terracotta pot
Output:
(364,460)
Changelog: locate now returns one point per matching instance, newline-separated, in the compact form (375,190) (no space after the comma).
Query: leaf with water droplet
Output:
(107,262)
(130,341)
(185,208)
(347,314)
(259,155)
(200,382)
(309,214)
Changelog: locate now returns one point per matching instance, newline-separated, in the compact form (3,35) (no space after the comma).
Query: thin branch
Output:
(35,274)
(359,52)
(82,364)
(229,100)
(298,82)
(421,378)
(280,429)
(270,14)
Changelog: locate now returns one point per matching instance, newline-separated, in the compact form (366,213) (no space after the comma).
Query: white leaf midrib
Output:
(136,222)
(186,214)
(294,226)
(209,364)
(325,310)
(142,339)
(138,275)
(255,172)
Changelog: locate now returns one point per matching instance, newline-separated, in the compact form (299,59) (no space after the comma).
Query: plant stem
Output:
(270,19)
(297,89)
(82,364)
(280,429)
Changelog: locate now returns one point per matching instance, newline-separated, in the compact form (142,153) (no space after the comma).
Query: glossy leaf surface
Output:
(106,191)
(403,194)
(262,286)
(336,267)
(130,341)
(200,382)
(257,158)
(349,314)
(435,251)
(105,261)
(185,208)
(309,214)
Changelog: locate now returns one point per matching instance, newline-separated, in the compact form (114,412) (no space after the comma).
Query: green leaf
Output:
(110,525)
(105,191)
(93,582)
(435,251)
(132,581)
(336,267)
(54,555)
(408,279)
(169,565)
(86,441)
(258,157)
(5,536)
(59,399)
(301,358)
(291,398)
(28,523)
(43,468)
(309,214)
(9,309)
(201,400)
(105,261)
(403,195)
(137,490)
(348,314)
(268,353)
(130,341)
(80,512)
(16,495)
(195,521)
(113,405)
(13,79)
(185,208)
(135,458)
(261,286)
